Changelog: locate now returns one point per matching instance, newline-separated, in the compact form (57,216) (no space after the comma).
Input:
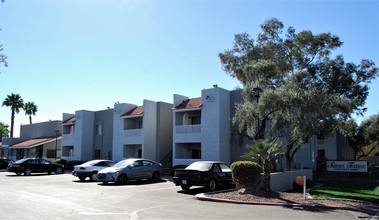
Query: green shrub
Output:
(61,161)
(72,163)
(246,174)
(180,166)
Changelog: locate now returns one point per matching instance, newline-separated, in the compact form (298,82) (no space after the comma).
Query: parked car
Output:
(91,168)
(28,166)
(4,163)
(204,173)
(130,169)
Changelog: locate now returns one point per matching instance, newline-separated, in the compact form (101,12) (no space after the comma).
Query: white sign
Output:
(346,166)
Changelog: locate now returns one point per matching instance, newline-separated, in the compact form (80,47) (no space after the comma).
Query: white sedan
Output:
(90,169)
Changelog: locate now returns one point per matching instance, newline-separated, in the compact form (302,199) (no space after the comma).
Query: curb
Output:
(203,197)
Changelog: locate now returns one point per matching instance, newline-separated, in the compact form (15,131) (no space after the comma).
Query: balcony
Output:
(188,129)
(133,133)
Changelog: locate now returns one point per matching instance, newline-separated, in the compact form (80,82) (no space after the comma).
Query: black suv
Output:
(4,163)
(28,166)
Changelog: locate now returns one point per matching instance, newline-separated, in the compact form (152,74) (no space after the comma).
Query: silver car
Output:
(130,169)
(90,169)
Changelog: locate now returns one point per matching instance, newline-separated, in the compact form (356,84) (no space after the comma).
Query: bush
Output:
(299,188)
(72,163)
(246,174)
(180,166)
(61,161)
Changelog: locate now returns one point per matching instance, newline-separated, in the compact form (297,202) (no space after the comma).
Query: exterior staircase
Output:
(167,164)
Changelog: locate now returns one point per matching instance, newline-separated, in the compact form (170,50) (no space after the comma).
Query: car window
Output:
(217,168)
(110,163)
(199,166)
(146,163)
(101,164)
(136,163)
(43,161)
(31,162)
(225,168)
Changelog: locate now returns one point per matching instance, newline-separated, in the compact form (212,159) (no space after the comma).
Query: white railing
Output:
(133,133)
(188,129)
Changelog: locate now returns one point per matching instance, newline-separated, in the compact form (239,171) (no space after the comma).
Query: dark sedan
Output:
(28,166)
(204,173)
(4,163)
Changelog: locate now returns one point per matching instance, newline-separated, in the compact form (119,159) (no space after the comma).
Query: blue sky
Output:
(68,55)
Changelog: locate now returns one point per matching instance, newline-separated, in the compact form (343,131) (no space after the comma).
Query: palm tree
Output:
(265,150)
(16,103)
(30,109)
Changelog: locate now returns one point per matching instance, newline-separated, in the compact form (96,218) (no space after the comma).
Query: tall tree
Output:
(266,150)
(30,109)
(365,137)
(4,132)
(15,102)
(302,90)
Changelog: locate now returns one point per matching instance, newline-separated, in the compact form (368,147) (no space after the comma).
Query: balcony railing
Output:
(133,133)
(188,129)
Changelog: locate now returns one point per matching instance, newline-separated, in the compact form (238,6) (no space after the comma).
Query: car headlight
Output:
(117,172)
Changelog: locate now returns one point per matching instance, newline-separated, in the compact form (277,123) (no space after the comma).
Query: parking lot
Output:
(42,196)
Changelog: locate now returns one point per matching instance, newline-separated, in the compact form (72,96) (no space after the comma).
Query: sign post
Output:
(302,180)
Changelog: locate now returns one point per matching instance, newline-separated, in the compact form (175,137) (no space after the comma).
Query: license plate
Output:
(184,181)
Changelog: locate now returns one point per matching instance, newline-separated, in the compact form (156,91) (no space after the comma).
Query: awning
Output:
(33,143)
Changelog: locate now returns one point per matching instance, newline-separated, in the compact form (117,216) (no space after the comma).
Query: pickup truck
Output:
(203,173)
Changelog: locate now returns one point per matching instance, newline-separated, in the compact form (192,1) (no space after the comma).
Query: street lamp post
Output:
(56,143)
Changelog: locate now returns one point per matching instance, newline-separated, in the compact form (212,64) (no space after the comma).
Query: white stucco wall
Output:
(118,129)
(83,137)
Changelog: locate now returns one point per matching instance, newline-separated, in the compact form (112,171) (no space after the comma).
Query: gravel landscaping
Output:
(293,199)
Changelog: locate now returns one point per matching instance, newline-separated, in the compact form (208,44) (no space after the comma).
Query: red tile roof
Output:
(70,120)
(35,142)
(190,103)
(136,111)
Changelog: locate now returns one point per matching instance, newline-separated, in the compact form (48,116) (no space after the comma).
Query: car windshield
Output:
(123,163)
(200,166)
(90,163)
(21,161)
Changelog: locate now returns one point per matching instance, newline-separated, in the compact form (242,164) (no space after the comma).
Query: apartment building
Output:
(142,131)
(202,126)
(87,135)
(39,140)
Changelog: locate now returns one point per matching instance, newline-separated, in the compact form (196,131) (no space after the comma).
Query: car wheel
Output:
(122,179)
(156,177)
(82,178)
(58,170)
(27,172)
(212,185)
(93,176)
(185,187)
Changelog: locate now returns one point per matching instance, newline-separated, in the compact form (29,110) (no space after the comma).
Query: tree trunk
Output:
(266,175)
(12,122)
(288,157)
(30,119)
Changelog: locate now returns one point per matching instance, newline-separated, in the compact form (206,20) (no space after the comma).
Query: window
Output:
(217,168)
(98,130)
(146,163)
(196,153)
(195,120)
(97,154)
(50,153)
(225,168)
